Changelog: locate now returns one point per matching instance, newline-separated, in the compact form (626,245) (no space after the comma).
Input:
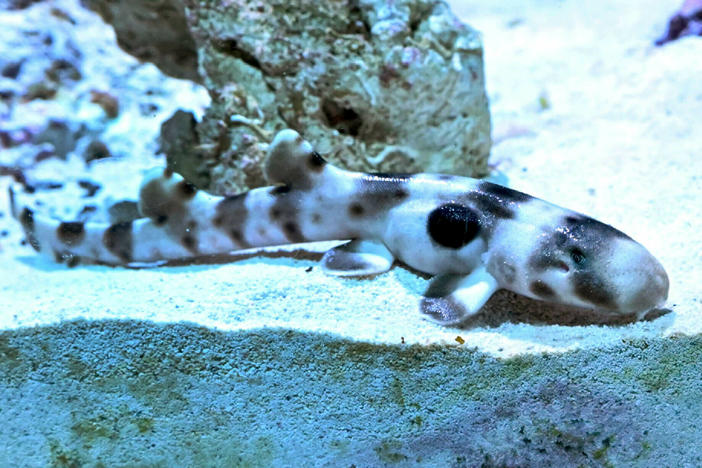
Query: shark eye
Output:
(577,256)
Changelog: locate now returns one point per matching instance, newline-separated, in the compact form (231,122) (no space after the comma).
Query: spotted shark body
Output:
(474,236)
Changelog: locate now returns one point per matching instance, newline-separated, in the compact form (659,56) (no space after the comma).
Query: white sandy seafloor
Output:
(587,113)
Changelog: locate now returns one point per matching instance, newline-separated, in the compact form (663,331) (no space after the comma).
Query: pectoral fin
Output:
(451,299)
(357,258)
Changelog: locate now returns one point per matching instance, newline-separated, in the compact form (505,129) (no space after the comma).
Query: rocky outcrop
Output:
(375,85)
(153,31)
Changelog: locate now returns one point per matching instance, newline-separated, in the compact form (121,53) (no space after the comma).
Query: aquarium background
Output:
(261,360)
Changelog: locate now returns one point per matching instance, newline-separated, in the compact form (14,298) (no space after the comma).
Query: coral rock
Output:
(378,86)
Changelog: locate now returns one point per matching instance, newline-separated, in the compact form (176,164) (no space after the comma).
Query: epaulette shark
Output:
(474,236)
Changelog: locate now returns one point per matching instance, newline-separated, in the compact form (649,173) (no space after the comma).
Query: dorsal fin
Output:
(292,161)
(163,195)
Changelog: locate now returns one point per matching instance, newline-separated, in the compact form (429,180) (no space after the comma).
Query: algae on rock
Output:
(376,85)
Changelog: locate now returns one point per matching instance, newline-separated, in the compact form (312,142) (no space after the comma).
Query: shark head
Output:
(573,259)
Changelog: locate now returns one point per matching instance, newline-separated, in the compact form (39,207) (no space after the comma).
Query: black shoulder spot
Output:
(453,225)
(71,233)
(118,240)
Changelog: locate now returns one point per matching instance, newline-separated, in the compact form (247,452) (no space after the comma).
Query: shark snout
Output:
(648,285)
(659,284)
